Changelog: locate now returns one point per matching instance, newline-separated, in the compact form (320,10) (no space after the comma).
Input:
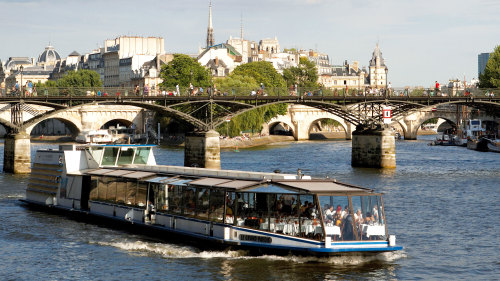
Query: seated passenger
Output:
(358,217)
(369,218)
(337,217)
(329,213)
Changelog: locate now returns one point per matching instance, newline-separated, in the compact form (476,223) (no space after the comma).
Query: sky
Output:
(421,40)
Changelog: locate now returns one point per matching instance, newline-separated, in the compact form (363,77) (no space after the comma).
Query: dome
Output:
(49,56)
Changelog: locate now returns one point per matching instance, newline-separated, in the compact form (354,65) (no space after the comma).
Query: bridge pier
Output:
(411,129)
(17,153)
(202,149)
(373,148)
(348,131)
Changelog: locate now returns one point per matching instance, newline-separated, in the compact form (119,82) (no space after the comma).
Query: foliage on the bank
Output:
(490,78)
(303,75)
(183,70)
(252,120)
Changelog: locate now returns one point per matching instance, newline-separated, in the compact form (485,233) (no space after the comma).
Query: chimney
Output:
(216,61)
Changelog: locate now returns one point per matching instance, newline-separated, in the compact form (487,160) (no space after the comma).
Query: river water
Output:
(441,202)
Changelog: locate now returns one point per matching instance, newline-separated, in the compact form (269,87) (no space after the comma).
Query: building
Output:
(482,60)
(23,70)
(221,59)
(122,58)
(378,70)
(345,76)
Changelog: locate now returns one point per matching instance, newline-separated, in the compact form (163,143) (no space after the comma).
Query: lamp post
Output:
(22,91)
(386,84)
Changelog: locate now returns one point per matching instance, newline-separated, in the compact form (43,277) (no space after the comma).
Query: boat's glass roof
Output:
(319,186)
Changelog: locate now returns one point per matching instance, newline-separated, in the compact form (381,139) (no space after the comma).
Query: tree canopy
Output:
(236,82)
(490,78)
(78,79)
(304,75)
(261,72)
(183,70)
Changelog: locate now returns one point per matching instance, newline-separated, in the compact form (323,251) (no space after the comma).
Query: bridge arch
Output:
(70,125)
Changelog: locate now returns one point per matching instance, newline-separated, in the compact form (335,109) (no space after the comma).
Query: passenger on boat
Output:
(375,212)
(347,228)
(345,212)
(337,217)
(369,219)
(358,217)
(329,213)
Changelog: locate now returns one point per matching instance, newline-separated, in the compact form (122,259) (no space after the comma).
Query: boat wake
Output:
(182,252)
(169,250)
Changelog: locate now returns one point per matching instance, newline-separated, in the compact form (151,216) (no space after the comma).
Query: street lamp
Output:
(22,91)
(386,84)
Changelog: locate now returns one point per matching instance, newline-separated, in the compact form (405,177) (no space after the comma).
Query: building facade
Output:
(482,60)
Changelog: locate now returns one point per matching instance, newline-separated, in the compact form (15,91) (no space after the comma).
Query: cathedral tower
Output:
(210,30)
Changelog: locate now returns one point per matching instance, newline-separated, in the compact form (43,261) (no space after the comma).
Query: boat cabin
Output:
(310,209)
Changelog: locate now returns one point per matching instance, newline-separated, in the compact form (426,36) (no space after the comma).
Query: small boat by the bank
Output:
(120,135)
(493,145)
(264,213)
(444,140)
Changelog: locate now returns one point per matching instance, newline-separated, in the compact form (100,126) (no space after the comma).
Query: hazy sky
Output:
(421,40)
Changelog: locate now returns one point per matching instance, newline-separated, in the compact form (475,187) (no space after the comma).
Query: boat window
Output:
(126,155)
(121,191)
(140,199)
(280,213)
(202,203)
(189,200)
(96,153)
(338,217)
(110,154)
(175,199)
(161,199)
(131,192)
(94,188)
(216,205)
(369,217)
(230,207)
(310,218)
(141,155)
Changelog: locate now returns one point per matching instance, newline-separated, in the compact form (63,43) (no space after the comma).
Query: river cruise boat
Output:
(262,213)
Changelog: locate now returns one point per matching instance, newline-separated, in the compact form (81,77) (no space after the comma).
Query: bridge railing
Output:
(265,91)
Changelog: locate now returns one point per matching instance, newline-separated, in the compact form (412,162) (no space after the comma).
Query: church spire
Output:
(210,30)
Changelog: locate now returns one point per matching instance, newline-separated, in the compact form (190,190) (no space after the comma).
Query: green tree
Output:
(236,82)
(304,75)
(261,72)
(490,78)
(82,78)
(252,120)
(183,70)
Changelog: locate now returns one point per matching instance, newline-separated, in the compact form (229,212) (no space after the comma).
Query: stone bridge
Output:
(78,118)
(301,119)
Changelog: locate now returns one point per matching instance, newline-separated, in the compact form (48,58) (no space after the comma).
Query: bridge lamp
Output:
(386,71)
(21,68)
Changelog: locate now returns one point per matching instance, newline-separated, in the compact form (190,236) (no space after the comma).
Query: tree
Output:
(82,78)
(236,82)
(304,75)
(490,78)
(261,72)
(183,70)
